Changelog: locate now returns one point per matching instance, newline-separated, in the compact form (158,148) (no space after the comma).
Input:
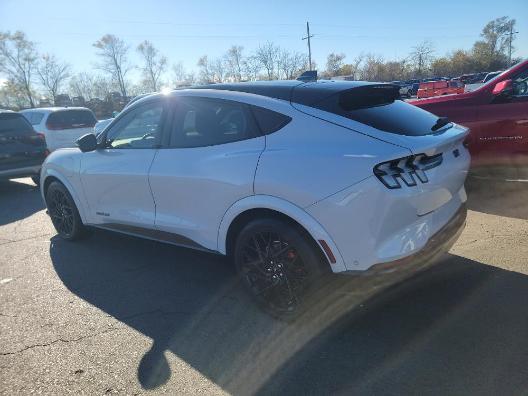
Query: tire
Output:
(63,212)
(36,180)
(278,265)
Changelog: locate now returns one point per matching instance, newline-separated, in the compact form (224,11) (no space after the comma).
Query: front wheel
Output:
(278,265)
(63,212)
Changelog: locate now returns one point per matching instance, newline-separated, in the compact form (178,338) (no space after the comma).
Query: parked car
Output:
(438,88)
(22,150)
(491,75)
(61,126)
(289,179)
(497,114)
(63,100)
(405,89)
(78,101)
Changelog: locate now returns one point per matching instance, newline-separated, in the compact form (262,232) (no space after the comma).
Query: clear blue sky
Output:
(185,30)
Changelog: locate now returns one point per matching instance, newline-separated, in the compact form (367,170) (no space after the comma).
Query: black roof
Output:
(306,93)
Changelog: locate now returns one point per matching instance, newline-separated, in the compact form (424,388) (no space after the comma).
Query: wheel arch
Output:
(52,175)
(259,206)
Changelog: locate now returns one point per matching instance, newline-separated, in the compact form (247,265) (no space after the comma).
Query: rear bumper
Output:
(20,172)
(437,245)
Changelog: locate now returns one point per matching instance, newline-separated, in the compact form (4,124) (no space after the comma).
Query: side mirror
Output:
(87,142)
(503,88)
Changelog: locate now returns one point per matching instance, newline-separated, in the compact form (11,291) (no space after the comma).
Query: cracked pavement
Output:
(114,314)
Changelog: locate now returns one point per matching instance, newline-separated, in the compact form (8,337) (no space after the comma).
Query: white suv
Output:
(290,179)
(61,126)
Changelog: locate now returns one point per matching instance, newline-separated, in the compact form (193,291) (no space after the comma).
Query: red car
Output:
(496,113)
(438,88)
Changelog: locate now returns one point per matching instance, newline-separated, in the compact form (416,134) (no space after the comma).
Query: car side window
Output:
(137,129)
(200,122)
(269,121)
(520,84)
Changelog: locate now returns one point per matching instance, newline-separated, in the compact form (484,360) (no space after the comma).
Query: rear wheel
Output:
(278,265)
(63,212)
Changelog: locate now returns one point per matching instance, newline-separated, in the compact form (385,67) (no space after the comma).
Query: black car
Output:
(22,150)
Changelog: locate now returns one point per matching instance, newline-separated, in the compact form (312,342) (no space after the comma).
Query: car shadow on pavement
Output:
(18,200)
(458,328)
(498,197)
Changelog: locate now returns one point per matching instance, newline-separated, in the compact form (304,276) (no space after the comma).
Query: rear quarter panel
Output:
(310,159)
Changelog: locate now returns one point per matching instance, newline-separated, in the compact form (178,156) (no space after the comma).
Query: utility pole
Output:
(308,36)
(511,39)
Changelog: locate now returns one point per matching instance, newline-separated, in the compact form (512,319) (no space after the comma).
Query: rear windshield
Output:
(381,108)
(33,117)
(70,119)
(14,123)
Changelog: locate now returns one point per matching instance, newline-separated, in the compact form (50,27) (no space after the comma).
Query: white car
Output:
(290,179)
(61,126)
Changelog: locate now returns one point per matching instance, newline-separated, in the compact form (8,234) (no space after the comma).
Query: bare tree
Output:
(155,65)
(370,71)
(421,57)
(181,77)
(18,61)
(102,87)
(290,64)
(218,68)
(91,86)
(355,66)
(267,54)
(52,74)
(334,63)
(205,70)
(82,84)
(252,67)
(114,59)
(235,62)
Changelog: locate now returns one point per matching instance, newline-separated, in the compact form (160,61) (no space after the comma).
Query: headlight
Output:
(410,170)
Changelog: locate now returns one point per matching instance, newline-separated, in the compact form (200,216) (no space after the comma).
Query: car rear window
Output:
(33,117)
(70,119)
(269,121)
(380,107)
(14,123)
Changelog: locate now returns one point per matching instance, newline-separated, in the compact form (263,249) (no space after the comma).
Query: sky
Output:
(186,30)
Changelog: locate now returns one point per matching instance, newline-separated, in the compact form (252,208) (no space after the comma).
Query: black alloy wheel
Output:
(63,212)
(277,264)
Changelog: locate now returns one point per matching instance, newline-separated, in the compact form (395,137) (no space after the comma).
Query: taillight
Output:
(41,137)
(410,170)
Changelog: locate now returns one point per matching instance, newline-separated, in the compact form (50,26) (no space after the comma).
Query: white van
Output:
(61,126)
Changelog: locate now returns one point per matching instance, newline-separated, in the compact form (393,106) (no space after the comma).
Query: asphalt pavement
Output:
(114,314)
